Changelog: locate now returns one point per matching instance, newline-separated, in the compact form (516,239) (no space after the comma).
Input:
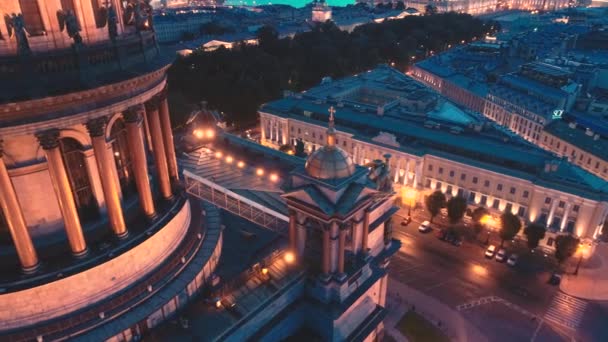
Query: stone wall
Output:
(63,296)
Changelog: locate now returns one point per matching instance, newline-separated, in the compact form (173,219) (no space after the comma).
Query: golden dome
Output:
(330,162)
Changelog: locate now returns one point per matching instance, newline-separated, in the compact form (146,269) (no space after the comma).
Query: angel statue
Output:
(67,19)
(138,13)
(112,23)
(15,25)
(380,174)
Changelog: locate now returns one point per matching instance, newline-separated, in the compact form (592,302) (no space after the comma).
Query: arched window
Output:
(68,5)
(78,174)
(32,17)
(122,157)
(98,13)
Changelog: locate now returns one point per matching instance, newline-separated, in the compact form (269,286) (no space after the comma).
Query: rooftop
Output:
(576,136)
(414,133)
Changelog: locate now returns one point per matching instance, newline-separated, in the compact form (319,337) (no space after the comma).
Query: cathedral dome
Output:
(330,162)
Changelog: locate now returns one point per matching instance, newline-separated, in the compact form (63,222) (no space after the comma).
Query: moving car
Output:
(512,261)
(425,227)
(555,279)
(501,256)
(490,251)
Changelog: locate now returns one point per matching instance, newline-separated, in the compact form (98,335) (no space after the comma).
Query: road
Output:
(506,303)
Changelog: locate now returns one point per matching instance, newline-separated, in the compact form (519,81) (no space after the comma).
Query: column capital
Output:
(48,139)
(97,126)
(153,104)
(345,226)
(162,95)
(134,114)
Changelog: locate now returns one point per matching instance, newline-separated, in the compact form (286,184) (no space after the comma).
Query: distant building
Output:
(321,12)
(437,146)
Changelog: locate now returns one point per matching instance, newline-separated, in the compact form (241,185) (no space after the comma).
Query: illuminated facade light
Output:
(218,303)
(209,133)
(264,271)
(259,172)
(229,159)
(274,177)
(198,133)
(289,257)
(240,164)
(218,154)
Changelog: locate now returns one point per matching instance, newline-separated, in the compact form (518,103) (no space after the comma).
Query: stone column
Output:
(552,211)
(160,160)
(341,245)
(165,121)
(49,141)
(397,168)
(418,176)
(10,206)
(365,232)
(263,124)
(147,135)
(97,131)
(301,238)
(277,136)
(133,118)
(292,230)
(326,251)
(406,178)
(562,225)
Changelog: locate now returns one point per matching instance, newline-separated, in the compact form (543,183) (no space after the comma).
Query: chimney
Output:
(572,124)
(554,166)
(547,166)
(596,137)
(589,132)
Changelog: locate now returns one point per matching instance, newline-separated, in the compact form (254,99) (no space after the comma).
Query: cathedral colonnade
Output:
(119,149)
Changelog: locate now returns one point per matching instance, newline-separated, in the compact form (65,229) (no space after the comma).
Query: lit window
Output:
(512,191)
(499,187)
(526,194)
(575,208)
(561,204)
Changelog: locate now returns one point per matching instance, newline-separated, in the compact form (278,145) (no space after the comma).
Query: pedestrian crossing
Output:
(566,311)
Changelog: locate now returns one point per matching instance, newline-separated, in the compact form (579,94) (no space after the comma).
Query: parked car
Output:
(501,256)
(425,227)
(490,251)
(456,241)
(555,279)
(512,261)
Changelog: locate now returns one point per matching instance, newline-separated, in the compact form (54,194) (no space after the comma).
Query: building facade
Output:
(95,227)
(432,155)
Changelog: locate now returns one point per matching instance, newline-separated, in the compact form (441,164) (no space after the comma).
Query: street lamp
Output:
(408,195)
(582,251)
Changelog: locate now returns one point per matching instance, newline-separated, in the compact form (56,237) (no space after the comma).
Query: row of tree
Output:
(237,81)
(510,225)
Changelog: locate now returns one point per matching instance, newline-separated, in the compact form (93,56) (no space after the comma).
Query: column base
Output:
(123,236)
(340,277)
(31,269)
(81,254)
(152,218)
(168,199)
(325,277)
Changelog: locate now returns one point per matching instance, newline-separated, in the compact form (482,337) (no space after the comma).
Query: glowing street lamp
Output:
(290,257)
(218,154)
(229,159)
(209,133)
(408,196)
(582,251)
(274,177)
(198,133)
(240,164)
(259,171)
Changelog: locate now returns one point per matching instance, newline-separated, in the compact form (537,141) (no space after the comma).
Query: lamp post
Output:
(408,196)
(582,249)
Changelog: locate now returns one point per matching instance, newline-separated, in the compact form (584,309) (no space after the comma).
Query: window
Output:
(575,208)
(499,187)
(509,208)
(449,189)
(495,204)
(548,200)
(430,168)
(313,135)
(78,176)
(438,186)
(292,128)
(486,183)
(299,131)
(321,136)
(512,191)
(521,211)
(484,200)
(589,161)
(122,157)
(475,180)
(460,192)
(428,183)
(99,17)
(526,194)
(440,170)
(451,173)
(561,204)
(597,165)
(344,143)
(337,142)
(463,176)
(32,17)
(472,197)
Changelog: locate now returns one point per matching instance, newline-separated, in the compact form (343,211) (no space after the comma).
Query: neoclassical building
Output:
(437,146)
(93,219)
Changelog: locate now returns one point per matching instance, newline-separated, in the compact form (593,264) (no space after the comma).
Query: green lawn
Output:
(417,329)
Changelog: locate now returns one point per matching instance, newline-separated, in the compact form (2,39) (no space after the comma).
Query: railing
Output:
(86,319)
(243,207)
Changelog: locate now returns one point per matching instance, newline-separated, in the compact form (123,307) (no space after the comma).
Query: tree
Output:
(565,247)
(300,148)
(478,214)
(534,233)
(400,5)
(510,226)
(434,202)
(456,208)
(430,10)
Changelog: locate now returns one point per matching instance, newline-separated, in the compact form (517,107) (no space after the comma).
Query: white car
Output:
(425,227)
(501,256)
(490,251)
(512,260)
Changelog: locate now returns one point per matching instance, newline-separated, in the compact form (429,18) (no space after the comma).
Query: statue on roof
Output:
(15,25)
(380,174)
(69,22)
(112,23)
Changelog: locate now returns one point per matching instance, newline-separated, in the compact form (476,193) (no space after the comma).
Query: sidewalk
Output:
(592,280)
(401,298)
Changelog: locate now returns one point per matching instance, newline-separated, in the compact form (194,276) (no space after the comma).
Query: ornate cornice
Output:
(153,104)
(48,139)
(134,114)
(97,126)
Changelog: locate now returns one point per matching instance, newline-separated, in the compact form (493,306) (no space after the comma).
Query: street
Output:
(505,303)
